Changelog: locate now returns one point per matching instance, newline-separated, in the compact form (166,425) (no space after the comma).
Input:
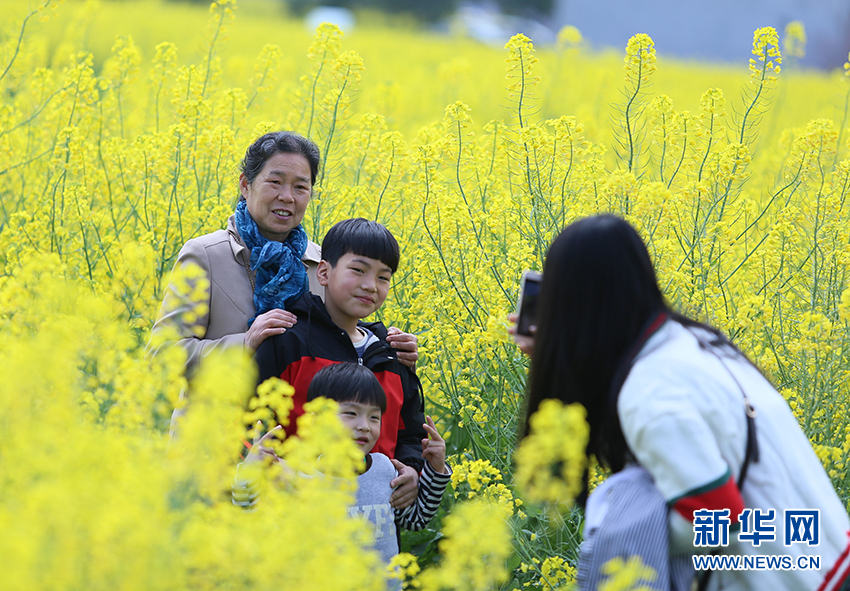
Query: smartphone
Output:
(529,292)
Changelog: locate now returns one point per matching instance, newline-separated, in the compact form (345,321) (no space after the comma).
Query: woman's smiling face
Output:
(278,196)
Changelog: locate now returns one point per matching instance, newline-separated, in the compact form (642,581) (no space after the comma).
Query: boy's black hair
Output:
(362,237)
(348,382)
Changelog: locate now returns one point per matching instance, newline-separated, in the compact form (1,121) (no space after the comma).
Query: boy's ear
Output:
(322,272)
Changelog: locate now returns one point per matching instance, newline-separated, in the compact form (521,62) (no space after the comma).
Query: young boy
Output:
(362,402)
(359,258)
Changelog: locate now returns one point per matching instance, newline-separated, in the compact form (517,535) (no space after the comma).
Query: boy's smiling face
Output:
(354,288)
(364,420)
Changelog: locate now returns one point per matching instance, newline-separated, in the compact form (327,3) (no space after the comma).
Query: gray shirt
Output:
(626,516)
(373,502)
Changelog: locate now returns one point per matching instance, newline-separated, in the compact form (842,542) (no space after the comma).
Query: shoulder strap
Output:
(751,454)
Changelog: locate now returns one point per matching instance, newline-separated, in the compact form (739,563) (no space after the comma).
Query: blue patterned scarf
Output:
(280,274)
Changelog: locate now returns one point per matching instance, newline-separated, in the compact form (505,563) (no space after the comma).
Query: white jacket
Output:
(682,415)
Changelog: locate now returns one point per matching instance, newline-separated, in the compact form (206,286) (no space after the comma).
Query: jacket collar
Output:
(649,329)
(240,251)
(313,254)
(310,308)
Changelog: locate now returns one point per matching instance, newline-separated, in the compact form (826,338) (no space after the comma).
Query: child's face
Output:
(364,420)
(356,287)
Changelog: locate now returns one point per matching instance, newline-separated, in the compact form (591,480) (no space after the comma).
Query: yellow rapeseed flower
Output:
(550,460)
(766,50)
(794,43)
(640,58)
(474,549)
(569,36)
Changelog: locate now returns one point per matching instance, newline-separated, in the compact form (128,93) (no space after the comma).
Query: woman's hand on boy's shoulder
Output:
(267,325)
(405,344)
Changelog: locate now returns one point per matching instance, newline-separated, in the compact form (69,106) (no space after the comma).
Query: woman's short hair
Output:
(276,142)
(361,237)
(348,382)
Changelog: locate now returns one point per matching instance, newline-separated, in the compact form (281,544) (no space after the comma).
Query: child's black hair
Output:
(348,382)
(361,237)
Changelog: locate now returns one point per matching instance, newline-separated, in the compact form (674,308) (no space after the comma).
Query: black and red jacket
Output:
(314,342)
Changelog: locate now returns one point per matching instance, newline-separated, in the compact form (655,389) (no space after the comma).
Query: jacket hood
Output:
(312,307)
(304,303)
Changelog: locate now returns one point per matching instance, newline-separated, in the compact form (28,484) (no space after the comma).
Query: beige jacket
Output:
(229,303)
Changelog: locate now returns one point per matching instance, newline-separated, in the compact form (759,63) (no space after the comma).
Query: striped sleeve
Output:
(431,488)
(626,516)
(838,577)
(244,490)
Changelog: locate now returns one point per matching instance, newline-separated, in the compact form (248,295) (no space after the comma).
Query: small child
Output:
(362,402)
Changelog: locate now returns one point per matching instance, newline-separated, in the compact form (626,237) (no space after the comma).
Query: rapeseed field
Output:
(121,127)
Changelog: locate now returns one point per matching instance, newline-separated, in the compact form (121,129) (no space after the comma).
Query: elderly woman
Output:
(261,262)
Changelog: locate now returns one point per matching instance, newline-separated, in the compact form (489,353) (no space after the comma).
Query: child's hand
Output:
(259,450)
(434,447)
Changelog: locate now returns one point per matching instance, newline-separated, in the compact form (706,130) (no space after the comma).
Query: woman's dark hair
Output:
(598,297)
(276,142)
(348,382)
(361,237)
(599,292)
